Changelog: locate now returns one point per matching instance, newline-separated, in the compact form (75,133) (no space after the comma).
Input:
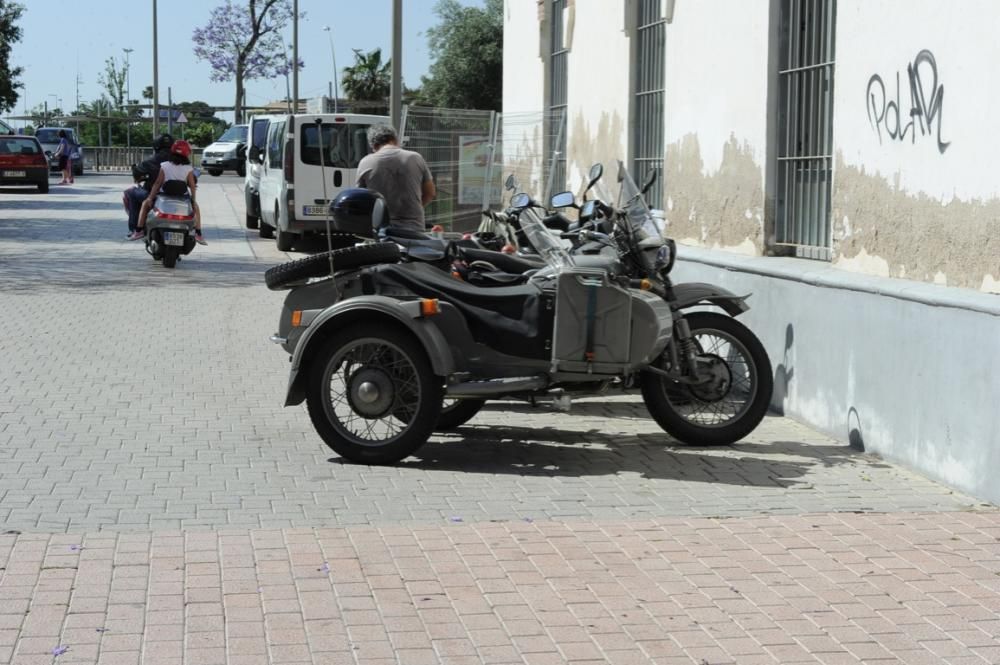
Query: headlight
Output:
(665,256)
(231,153)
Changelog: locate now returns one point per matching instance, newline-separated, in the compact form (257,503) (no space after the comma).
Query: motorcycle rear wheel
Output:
(372,394)
(170,255)
(700,415)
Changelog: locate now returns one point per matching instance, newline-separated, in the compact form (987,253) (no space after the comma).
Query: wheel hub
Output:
(371,392)
(717,378)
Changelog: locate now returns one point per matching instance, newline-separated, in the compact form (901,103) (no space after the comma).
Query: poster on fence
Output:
(473,159)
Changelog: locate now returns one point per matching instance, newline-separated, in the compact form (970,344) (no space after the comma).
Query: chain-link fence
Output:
(470,154)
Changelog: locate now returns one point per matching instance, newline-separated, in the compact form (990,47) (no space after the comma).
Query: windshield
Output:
(646,229)
(343,145)
(52,135)
(235,134)
(544,240)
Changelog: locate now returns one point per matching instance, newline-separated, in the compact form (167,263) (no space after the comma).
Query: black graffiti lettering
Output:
(885,113)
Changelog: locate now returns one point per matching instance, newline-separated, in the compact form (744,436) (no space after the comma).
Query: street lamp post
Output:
(336,76)
(128,93)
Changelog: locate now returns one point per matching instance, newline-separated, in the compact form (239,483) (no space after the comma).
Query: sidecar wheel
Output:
(372,394)
(732,404)
(457,412)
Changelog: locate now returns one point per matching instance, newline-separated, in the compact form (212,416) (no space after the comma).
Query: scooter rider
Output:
(144,175)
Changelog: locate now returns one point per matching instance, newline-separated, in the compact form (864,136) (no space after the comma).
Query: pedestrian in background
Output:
(63,152)
(401,176)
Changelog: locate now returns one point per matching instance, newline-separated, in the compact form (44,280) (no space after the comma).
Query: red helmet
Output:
(181,147)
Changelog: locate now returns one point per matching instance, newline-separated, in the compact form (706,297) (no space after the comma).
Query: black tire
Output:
(78,170)
(285,240)
(170,255)
(318,265)
(666,400)
(214,172)
(458,412)
(43,188)
(265,230)
(252,222)
(241,170)
(368,346)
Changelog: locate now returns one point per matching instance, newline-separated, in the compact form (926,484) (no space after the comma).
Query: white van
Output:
(291,192)
(256,138)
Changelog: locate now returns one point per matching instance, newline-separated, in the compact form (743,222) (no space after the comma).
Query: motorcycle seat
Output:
(505,318)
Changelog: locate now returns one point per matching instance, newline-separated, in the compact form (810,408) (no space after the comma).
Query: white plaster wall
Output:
(883,38)
(598,92)
(716,79)
(523,69)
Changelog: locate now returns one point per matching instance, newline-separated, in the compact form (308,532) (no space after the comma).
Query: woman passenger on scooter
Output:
(177,170)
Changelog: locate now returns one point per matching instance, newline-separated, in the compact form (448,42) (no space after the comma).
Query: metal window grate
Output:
(557,98)
(650,64)
(805,126)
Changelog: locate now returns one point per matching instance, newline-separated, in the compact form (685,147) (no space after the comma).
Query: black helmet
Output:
(359,212)
(163,142)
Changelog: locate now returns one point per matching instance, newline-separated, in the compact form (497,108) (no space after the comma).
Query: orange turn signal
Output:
(297,318)
(645,285)
(429,307)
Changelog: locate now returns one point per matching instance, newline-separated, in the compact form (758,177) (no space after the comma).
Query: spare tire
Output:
(319,264)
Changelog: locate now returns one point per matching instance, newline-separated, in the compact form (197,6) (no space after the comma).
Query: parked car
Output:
(228,153)
(251,183)
(23,162)
(293,201)
(49,138)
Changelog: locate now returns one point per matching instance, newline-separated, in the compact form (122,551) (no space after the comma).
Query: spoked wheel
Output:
(457,412)
(372,395)
(734,395)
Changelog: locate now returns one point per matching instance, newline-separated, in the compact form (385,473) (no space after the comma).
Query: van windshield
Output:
(343,144)
(52,135)
(235,134)
(259,133)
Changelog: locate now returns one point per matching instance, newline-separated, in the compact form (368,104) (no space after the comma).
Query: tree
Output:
(147,93)
(467,53)
(113,79)
(243,42)
(368,79)
(10,34)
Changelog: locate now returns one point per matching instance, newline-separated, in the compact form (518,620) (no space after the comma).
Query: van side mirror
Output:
(255,155)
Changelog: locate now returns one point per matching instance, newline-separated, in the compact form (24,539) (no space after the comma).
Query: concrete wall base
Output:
(906,370)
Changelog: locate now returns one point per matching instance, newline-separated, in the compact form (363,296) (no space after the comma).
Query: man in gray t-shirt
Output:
(401,176)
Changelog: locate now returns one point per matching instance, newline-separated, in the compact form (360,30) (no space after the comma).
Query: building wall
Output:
(917,196)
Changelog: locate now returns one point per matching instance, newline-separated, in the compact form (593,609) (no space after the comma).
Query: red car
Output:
(22,162)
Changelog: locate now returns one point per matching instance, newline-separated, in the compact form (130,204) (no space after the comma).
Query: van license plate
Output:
(314,210)
(172,238)
(14,174)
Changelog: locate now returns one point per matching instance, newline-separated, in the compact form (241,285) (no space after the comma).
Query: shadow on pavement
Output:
(45,202)
(53,272)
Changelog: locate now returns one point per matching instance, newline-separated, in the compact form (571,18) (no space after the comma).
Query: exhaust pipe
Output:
(480,389)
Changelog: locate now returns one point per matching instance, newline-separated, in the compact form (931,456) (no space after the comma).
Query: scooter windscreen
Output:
(544,240)
(646,229)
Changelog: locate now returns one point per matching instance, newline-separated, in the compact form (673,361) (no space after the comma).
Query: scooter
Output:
(170,229)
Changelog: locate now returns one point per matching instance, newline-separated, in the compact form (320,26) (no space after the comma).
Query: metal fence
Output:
(122,159)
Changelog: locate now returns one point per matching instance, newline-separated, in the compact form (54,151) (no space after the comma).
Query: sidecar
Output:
(376,350)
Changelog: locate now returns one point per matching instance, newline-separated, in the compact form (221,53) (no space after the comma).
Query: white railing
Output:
(122,159)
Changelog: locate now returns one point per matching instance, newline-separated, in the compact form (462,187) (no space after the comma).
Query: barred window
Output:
(805,126)
(558,54)
(649,71)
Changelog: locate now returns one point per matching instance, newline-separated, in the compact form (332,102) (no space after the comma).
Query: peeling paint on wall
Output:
(587,146)
(723,209)
(892,232)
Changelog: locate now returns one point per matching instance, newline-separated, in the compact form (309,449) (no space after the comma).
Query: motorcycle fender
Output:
(699,293)
(405,312)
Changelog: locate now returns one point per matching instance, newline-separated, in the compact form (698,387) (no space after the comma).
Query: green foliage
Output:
(368,79)
(10,34)
(113,79)
(467,53)
(201,134)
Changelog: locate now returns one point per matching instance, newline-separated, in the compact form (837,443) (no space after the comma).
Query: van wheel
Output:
(266,230)
(252,221)
(241,170)
(285,241)
(214,172)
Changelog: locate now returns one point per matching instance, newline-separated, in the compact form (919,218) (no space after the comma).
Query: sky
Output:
(64,38)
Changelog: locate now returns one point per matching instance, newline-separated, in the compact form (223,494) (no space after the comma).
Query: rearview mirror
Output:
(562,200)
(588,210)
(254,154)
(521,200)
(510,184)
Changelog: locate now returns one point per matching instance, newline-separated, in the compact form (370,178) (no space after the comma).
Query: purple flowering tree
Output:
(243,41)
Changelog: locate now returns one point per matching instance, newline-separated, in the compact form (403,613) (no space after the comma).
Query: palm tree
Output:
(368,79)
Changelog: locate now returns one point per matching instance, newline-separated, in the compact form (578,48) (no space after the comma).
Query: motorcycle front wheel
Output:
(734,398)
(372,394)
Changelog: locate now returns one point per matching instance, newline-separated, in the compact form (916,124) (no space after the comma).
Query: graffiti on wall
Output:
(886,115)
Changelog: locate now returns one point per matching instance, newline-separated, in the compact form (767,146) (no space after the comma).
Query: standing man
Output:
(401,176)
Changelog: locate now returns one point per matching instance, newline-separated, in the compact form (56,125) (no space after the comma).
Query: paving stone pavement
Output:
(154,486)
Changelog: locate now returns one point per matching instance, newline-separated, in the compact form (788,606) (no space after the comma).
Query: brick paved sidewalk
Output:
(827,588)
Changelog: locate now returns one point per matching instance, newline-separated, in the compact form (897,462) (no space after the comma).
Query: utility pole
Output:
(170,112)
(295,55)
(396,91)
(156,80)
(128,94)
